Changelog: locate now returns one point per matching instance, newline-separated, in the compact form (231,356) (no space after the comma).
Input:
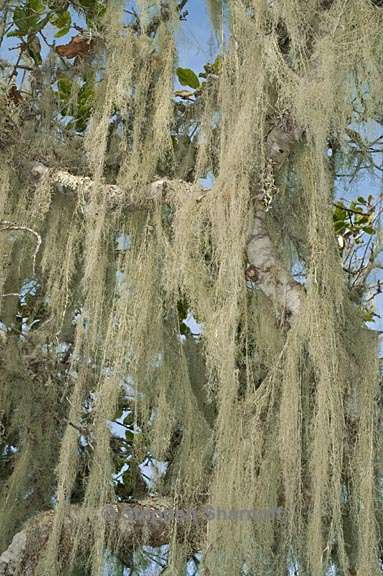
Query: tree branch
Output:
(268,274)
(158,191)
(265,270)
(149,522)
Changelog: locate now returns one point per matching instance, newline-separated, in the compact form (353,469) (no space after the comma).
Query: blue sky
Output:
(196,40)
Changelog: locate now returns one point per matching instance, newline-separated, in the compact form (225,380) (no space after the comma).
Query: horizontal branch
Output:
(149,522)
(159,191)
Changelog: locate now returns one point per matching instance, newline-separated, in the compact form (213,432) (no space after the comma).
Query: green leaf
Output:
(187,77)
(28,20)
(63,21)
(369,315)
(39,25)
(94,10)
(20,19)
(129,419)
(88,4)
(35,6)
(339,214)
(362,200)
(339,226)
(52,4)
(362,219)
(368,230)
(214,68)
(129,436)
(80,109)
(13,33)
(62,32)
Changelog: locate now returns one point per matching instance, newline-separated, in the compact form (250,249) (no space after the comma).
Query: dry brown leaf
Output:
(78,46)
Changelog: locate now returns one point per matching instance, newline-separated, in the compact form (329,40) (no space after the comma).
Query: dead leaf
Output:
(78,46)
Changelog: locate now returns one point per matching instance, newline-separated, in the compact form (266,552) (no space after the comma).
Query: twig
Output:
(347,209)
(16,65)
(45,39)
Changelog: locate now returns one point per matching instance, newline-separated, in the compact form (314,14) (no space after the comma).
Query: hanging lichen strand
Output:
(275,403)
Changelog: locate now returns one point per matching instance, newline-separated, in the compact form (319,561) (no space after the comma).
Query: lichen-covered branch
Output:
(149,522)
(266,270)
(270,276)
(158,191)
